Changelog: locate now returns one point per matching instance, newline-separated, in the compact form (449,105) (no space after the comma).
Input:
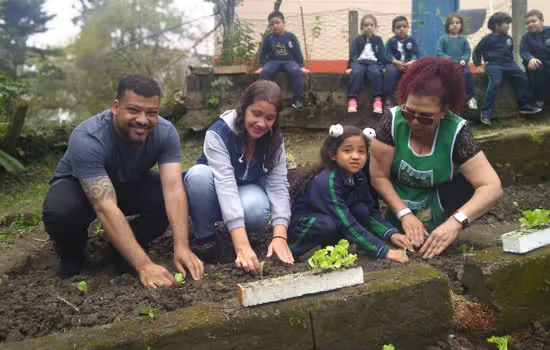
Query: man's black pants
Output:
(68,213)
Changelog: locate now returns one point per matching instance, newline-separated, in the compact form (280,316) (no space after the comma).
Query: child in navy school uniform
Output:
(366,62)
(535,52)
(497,52)
(338,202)
(455,47)
(281,52)
(401,52)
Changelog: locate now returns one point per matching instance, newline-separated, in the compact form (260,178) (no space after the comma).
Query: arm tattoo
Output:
(98,189)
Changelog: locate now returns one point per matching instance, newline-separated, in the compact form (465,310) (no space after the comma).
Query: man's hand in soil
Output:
(440,238)
(186,258)
(155,276)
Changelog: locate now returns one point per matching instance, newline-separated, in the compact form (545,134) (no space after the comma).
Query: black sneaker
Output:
(68,267)
(529,109)
(486,118)
(297,104)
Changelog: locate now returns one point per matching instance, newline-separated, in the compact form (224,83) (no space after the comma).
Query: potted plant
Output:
(534,232)
(332,268)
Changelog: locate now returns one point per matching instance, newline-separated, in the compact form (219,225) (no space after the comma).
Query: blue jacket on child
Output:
(494,48)
(284,47)
(350,205)
(410,49)
(359,44)
(536,45)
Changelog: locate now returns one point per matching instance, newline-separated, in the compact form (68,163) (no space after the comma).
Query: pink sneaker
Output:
(377,107)
(352,105)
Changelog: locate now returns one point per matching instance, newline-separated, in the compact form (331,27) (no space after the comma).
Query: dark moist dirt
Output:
(32,294)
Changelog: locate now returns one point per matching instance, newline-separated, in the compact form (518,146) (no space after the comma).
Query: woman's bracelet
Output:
(403,213)
(281,237)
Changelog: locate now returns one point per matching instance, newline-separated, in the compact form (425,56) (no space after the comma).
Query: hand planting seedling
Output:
(535,218)
(388,347)
(501,342)
(83,287)
(179,278)
(332,257)
(150,312)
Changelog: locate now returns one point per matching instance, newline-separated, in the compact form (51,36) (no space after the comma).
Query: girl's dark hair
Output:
(449,20)
(498,18)
(535,12)
(398,19)
(276,14)
(268,91)
(434,76)
(329,149)
(365,17)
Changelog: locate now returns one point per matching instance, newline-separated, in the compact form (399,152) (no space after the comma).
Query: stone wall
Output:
(326,100)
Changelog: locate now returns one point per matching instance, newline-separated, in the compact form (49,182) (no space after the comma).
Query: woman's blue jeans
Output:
(205,208)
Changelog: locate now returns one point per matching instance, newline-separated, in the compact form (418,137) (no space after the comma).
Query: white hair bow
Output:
(369,133)
(336,130)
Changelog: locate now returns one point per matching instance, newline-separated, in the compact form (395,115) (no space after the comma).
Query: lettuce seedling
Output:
(83,287)
(501,342)
(535,218)
(220,275)
(179,278)
(388,347)
(332,257)
(150,312)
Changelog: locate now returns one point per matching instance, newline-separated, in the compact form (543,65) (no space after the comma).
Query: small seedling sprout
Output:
(83,287)
(262,263)
(179,278)
(220,275)
(150,312)
(388,347)
(501,342)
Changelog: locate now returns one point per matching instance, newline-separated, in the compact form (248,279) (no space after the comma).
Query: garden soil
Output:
(37,303)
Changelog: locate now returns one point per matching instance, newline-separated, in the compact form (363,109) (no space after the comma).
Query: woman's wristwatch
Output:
(461,218)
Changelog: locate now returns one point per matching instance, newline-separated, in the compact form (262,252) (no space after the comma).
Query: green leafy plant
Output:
(83,287)
(388,347)
(213,102)
(220,275)
(150,312)
(465,249)
(501,342)
(9,163)
(179,278)
(98,228)
(535,218)
(332,257)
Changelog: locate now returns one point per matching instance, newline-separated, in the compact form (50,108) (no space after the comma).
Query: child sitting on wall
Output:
(281,52)
(497,52)
(338,203)
(455,47)
(535,52)
(401,52)
(366,62)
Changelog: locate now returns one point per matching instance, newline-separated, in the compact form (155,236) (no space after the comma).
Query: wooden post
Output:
(519,10)
(353,26)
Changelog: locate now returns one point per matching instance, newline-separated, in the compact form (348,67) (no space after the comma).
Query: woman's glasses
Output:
(423,118)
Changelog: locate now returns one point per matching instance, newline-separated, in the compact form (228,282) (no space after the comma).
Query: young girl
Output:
(338,201)
(456,47)
(366,61)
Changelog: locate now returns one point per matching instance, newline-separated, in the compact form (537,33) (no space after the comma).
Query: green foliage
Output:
(220,275)
(244,44)
(83,287)
(501,342)
(213,102)
(150,312)
(388,347)
(180,280)
(332,257)
(465,249)
(316,29)
(535,218)
(22,223)
(9,163)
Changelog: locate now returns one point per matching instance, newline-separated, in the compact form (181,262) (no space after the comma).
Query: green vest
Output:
(415,176)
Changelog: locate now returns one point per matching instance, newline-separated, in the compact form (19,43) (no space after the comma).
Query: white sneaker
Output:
(472,103)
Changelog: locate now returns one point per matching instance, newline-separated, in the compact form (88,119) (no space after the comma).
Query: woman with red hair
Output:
(425,162)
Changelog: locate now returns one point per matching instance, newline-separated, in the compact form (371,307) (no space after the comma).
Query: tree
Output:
(19,19)
(225,12)
(122,37)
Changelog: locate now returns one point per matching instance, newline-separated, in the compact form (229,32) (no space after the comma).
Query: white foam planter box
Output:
(525,241)
(296,285)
